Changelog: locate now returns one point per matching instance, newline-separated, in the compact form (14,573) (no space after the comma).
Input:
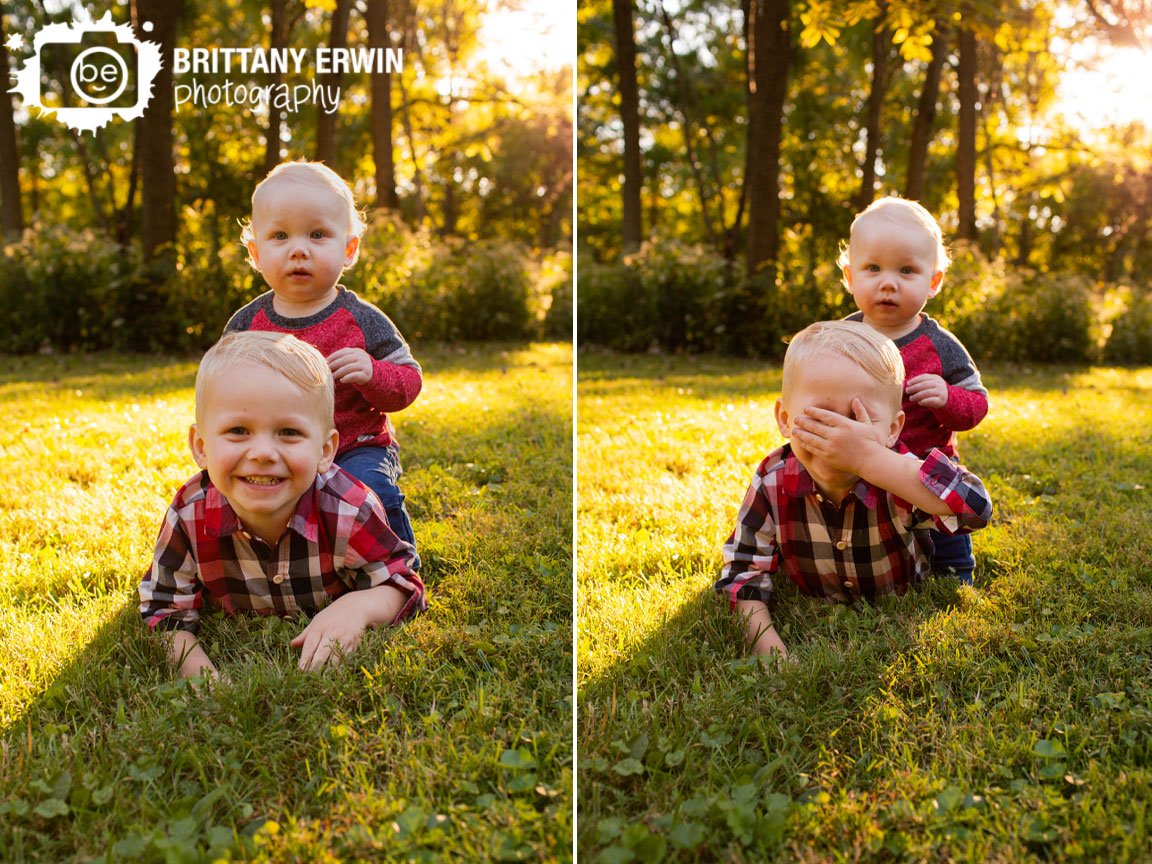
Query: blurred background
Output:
(128,238)
(725,147)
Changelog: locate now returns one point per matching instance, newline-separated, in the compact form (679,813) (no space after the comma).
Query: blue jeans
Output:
(953,552)
(379,469)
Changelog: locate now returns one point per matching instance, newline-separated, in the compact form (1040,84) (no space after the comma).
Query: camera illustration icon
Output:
(88,72)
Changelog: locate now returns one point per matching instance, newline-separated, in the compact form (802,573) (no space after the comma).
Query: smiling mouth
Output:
(263,481)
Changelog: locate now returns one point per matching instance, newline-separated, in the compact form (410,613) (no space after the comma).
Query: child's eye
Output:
(907,271)
(291,433)
(236,431)
(872,268)
(280,235)
(318,235)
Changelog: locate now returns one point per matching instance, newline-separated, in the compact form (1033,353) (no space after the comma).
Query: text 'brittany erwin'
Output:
(204,61)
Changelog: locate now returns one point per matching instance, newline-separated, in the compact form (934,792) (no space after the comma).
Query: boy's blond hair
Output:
(910,214)
(873,352)
(296,360)
(316,174)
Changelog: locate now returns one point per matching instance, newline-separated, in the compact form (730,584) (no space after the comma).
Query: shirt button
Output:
(279,578)
(850,585)
(819,497)
(841,545)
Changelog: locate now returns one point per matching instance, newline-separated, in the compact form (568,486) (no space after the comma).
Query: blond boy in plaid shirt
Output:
(270,526)
(843,510)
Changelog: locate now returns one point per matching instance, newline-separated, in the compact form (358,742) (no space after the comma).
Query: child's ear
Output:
(937,281)
(196,445)
(328,451)
(351,250)
(846,272)
(254,252)
(895,429)
(782,421)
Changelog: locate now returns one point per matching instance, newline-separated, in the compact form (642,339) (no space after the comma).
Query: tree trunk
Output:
(881,73)
(926,116)
(769,61)
(11,212)
(157,153)
(966,143)
(630,118)
(325,122)
(384,160)
(278,40)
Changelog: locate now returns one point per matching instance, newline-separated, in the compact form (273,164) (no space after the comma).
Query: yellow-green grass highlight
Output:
(449,738)
(1004,722)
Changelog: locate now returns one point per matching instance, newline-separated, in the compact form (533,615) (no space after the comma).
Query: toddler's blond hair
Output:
(873,352)
(910,214)
(296,360)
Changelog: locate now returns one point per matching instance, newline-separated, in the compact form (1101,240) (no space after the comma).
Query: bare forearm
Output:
(759,630)
(377,606)
(187,655)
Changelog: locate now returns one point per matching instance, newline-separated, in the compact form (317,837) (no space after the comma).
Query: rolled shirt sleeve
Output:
(960,489)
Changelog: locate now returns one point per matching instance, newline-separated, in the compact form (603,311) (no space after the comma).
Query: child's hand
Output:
(351,366)
(844,444)
(341,624)
(928,390)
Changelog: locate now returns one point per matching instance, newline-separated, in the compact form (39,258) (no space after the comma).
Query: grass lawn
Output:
(449,738)
(1009,722)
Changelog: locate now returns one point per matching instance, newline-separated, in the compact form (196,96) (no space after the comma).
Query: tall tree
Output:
(922,127)
(325,121)
(11,211)
(881,72)
(157,154)
(966,133)
(383,154)
(622,13)
(283,18)
(769,60)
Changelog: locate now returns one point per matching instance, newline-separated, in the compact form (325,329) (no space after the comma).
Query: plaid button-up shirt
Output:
(337,541)
(873,543)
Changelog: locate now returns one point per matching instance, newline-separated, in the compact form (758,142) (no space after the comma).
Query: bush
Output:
(668,295)
(1130,342)
(556,295)
(69,290)
(611,308)
(65,289)
(1018,316)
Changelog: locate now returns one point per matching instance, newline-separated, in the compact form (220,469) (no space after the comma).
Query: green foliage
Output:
(449,738)
(1018,315)
(66,289)
(450,288)
(556,285)
(673,297)
(1130,341)
(71,291)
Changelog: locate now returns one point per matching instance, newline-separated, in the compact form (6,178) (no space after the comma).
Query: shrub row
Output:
(66,290)
(677,298)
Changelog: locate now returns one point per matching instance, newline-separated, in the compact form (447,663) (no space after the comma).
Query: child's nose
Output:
(262,449)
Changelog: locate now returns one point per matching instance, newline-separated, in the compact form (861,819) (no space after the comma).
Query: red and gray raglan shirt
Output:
(349,322)
(932,349)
